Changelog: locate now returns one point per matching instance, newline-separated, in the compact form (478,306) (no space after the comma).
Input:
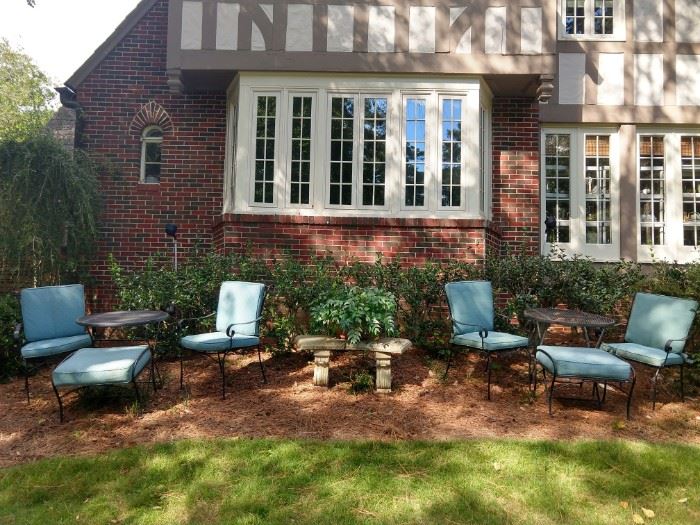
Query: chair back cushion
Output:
(50,312)
(470,302)
(240,302)
(657,318)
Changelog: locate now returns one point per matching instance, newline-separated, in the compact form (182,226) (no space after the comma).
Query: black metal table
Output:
(543,318)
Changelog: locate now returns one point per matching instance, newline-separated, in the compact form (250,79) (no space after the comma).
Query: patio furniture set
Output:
(55,324)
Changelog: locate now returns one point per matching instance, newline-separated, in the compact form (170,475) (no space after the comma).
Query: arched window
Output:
(151,145)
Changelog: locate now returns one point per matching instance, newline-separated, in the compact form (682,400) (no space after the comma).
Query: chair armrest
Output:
(230,332)
(17,334)
(184,322)
(169,309)
(669,346)
(483,332)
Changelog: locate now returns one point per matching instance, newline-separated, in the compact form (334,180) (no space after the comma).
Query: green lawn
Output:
(263,481)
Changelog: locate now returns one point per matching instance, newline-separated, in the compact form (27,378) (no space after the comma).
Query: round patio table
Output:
(543,318)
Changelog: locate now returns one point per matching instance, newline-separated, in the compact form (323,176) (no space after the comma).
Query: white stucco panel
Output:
(611,75)
(531,30)
(687,21)
(572,76)
(381,30)
(688,80)
(648,20)
(495,30)
(341,24)
(649,80)
(300,30)
(227,26)
(257,41)
(464,45)
(421,29)
(191,35)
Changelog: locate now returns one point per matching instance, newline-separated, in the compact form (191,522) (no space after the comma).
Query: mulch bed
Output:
(421,407)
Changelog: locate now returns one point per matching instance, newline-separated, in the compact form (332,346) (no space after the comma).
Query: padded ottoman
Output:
(100,366)
(583,363)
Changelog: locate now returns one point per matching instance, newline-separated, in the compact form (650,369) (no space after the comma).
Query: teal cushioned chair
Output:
(48,325)
(238,318)
(657,330)
(472,313)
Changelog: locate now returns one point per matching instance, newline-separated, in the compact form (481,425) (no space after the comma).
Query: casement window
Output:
(592,19)
(668,199)
(151,154)
(580,192)
(354,146)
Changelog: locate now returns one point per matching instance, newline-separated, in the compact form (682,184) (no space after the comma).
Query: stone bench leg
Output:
(383,381)
(322,359)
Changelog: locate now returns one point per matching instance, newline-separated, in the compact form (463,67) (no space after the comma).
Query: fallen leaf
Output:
(637,519)
(683,500)
(497,466)
(624,504)
(648,512)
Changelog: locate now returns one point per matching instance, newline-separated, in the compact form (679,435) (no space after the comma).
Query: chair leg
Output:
(653,392)
(60,403)
(488,373)
(222,368)
(136,391)
(26,382)
(153,375)
(182,369)
(682,387)
(629,396)
(551,393)
(262,368)
(449,363)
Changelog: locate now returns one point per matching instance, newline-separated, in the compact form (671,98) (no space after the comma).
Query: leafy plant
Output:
(357,313)
(361,382)
(9,317)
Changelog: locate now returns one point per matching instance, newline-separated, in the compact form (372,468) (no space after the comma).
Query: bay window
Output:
(349,145)
(580,210)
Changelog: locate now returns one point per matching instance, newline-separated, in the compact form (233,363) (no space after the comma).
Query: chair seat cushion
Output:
(217,342)
(61,345)
(643,354)
(102,366)
(589,363)
(495,341)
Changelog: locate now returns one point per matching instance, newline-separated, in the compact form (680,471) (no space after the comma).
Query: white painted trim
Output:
(619,23)
(144,142)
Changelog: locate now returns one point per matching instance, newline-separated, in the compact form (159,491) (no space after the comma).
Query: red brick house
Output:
(426,130)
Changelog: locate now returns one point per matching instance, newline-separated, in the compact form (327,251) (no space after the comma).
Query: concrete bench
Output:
(382,350)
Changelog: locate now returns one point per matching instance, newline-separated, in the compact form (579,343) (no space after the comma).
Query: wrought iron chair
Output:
(238,318)
(472,313)
(657,330)
(48,326)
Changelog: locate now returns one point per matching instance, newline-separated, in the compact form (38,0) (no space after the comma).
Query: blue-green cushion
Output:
(50,312)
(495,341)
(471,306)
(217,342)
(590,363)
(239,303)
(49,347)
(102,366)
(655,319)
(643,354)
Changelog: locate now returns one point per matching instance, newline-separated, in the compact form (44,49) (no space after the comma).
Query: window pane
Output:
(603,14)
(557,197)
(264,149)
(451,152)
(374,147)
(342,122)
(415,152)
(300,147)
(598,181)
(690,165)
(652,189)
(574,17)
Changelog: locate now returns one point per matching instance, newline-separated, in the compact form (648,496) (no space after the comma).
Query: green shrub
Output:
(9,317)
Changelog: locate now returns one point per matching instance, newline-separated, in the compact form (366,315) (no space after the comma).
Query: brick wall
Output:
(190,191)
(516,178)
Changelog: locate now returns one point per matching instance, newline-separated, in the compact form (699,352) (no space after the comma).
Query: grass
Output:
(300,482)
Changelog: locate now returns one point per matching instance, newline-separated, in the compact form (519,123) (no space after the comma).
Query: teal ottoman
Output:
(119,365)
(586,364)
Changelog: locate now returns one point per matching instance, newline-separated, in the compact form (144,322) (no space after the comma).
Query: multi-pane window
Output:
(341,154)
(415,151)
(264,162)
(484,133)
(575,17)
(557,161)
(374,151)
(300,151)
(151,148)
(598,179)
(603,15)
(652,188)
(451,153)
(690,170)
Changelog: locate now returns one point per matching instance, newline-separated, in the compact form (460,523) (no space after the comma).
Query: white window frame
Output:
(673,248)
(356,128)
(288,148)
(465,153)
(145,141)
(430,160)
(577,195)
(395,89)
(619,29)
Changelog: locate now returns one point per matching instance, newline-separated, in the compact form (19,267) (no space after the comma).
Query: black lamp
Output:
(171,231)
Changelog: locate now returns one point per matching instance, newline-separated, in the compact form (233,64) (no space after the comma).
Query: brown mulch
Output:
(421,407)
